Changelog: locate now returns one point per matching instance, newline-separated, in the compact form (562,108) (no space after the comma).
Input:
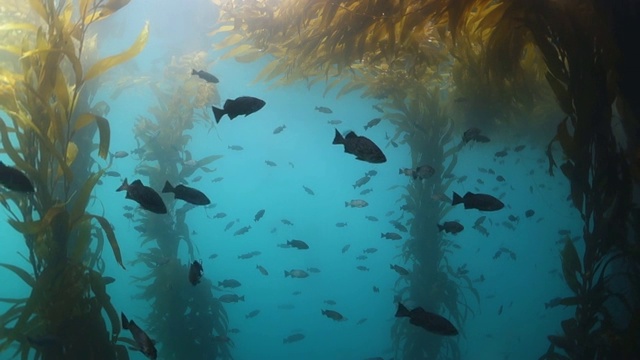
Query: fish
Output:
(14,179)
(452,227)
(242,231)
(513,218)
(376,289)
(482,202)
(371,173)
(371,218)
(500,178)
(286,222)
(390,236)
(333,315)
(396,224)
(148,198)
(399,269)
(120,154)
(244,105)
(259,215)
(334,122)
(195,272)
(279,129)
(361,257)
(205,76)
(230,224)
(470,134)
(113,173)
(363,148)
(341,224)
(218,179)
(361,321)
(357,203)
(249,255)
(308,191)
(262,270)
(313,270)
(365,191)
(213,256)
(362,268)
(188,194)
(293,338)
(220,215)
(197,178)
(229,283)
(231,298)
(323,109)
(370,250)
(235,147)
(363,180)
(270,163)
(529,213)
(501,153)
(429,321)
(144,342)
(372,123)
(296,273)
(252,314)
(423,172)
(298,244)
(519,148)
(345,248)
(330,302)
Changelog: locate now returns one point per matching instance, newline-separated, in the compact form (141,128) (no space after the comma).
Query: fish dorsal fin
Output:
(136,183)
(351,135)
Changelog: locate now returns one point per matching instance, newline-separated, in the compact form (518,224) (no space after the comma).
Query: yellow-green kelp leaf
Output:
(37,226)
(103,127)
(82,200)
(105,64)
(22,274)
(111,236)
(105,10)
(570,265)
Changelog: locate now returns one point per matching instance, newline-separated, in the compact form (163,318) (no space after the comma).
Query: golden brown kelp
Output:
(576,43)
(44,92)
(187,320)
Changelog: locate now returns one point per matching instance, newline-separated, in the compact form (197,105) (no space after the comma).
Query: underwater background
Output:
(505,282)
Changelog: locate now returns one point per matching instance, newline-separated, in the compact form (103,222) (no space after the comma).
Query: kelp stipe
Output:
(46,95)
(187,320)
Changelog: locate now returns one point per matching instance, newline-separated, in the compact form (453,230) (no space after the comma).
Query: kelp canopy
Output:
(510,62)
(48,79)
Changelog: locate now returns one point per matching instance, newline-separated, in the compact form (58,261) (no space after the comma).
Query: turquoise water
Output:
(520,287)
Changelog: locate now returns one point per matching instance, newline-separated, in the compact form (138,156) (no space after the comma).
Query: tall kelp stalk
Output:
(433,282)
(187,320)
(393,51)
(577,44)
(44,92)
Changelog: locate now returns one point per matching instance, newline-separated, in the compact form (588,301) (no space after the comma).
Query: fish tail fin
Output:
(414,174)
(286,273)
(457,199)
(218,113)
(400,171)
(194,72)
(125,321)
(338,139)
(366,127)
(346,204)
(381,235)
(241,298)
(124,185)
(167,187)
(440,227)
(402,311)
(547,305)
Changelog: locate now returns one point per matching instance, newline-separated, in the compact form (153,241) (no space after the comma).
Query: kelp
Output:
(164,156)
(44,92)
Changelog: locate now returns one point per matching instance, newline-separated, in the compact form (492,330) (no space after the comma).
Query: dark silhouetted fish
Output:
(452,227)
(244,105)
(259,215)
(148,198)
(429,321)
(298,244)
(190,195)
(293,338)
(195,272)
(145,344)
(323,109)
(205,76)
(481,202)
(14,180)
(333,315)
(360,146)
